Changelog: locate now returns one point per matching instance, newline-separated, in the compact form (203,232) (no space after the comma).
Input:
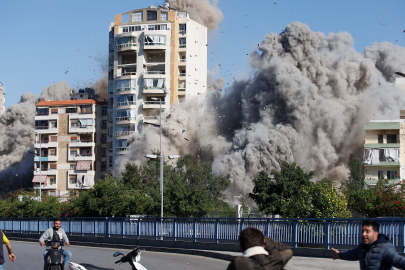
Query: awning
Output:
(83,165)
(37,178)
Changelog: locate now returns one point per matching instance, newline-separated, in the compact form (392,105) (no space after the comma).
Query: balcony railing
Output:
(41,127)
(84,140)
(154,44)
(182,46)
(181,89)
(124,133)
(155,102)
(84,155)
(121,149)
(182,74)
(182,60)
(86,112)
(127,103)
(42,141)
(150,117)
(124,118)
(41,114)
(81,126)
(155,72)
(126,74)
(125,89)
(125,45)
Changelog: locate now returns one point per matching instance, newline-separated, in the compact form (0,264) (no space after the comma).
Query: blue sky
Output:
(46,41)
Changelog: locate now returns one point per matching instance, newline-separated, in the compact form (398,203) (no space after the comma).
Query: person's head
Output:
(251,237)
(370,231)
(57,223)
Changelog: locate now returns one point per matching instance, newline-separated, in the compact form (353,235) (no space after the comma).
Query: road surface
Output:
(29,257)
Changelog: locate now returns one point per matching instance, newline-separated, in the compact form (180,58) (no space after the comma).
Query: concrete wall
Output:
(372,135)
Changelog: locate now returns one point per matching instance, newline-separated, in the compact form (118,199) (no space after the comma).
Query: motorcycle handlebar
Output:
(118,261)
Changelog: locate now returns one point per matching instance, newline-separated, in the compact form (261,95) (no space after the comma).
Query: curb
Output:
(195,252)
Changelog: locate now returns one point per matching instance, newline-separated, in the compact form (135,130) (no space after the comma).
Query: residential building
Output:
(157,58)
(2,100)
(384,143)
(70,144)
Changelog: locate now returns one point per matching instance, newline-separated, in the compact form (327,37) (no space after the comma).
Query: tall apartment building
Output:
(384,143)
(70,144)
(2,100)
(157,57)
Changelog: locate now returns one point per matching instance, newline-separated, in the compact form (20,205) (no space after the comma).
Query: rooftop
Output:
(68,102)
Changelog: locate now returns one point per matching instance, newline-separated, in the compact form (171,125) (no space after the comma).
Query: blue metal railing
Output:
(293,231)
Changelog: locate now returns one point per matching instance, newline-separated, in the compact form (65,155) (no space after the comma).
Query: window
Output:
(380,175)
(53,124)
(71,110)
(103,152)
(103,124)
(131,29)
(53,166)
(137,16)
(151,15)
(103,138)
(104,111)
(392,175)
(72,179)
(73,152)
(163,16)
(158,27)
(73,166)
(52,180)
(391,138)
(182,42)
(103,166)
(182,28)
(126,84)
(54,111)
(73,139)
(381,156)
(42,111)
(380,138)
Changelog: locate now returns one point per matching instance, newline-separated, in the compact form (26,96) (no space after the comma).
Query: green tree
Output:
(131,176)
(291,193)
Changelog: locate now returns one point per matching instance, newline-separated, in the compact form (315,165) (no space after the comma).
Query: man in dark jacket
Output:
(375,252)
(260,252)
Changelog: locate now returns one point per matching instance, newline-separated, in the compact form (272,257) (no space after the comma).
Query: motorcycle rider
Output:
(56,234)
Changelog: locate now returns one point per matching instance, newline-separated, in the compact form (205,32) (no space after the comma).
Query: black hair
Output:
(372,223)
(251,237)
(57,219)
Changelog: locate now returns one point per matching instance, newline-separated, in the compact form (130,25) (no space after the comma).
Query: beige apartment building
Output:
(70,145)
(157,57)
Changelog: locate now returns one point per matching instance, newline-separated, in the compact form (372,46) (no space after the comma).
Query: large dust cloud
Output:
(306,102)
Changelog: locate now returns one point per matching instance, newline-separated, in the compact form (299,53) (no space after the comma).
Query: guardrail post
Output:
(216,231)
(20,226)
(107,229)
(94,228)
(195,230)
(295,233)
(327,230)
(139,226)
(155,230)
(29,226)
(122,228)
(38,227)
(174,229)
(403,237)
(81,227)
(70,227)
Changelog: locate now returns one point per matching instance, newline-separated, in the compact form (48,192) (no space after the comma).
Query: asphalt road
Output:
(29,257)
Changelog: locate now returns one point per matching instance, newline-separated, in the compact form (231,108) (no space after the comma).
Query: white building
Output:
(157,56)
(2,100)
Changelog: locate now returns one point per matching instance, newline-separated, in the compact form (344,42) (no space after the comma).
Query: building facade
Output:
(2,100)
(70,145)
(157,57)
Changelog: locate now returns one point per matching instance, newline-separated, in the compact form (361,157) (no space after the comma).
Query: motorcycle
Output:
(54,257)
(133,258)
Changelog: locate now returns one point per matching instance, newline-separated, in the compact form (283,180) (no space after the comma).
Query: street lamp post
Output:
(40,166)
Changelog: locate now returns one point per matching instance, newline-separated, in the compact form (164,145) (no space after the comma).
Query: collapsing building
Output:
(2,100)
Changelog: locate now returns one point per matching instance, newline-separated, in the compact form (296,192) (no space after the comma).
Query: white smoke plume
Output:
(17,137)
(201,11)
(306,103)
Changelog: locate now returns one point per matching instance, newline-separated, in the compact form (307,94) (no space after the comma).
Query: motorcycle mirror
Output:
(116,254)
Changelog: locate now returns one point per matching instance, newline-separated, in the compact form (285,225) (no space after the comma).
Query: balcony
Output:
(82,143)
(80,157)
(124,133)
(46,144)
(125,90)
(181,91)
(182,62)
(46,129)
(151,119)
(44,157)
(89,174)
(154,104)
(123,104)
(153,90)
(82,129)
(124,120)
(126,75)
(121,150)
(154,74)
(81,115)
(154,46)
(127,47)
(46,116)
